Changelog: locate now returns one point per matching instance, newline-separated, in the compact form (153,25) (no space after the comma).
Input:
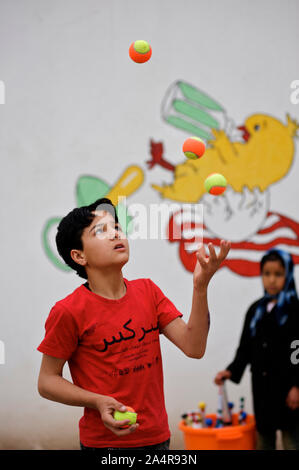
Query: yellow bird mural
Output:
(263,158)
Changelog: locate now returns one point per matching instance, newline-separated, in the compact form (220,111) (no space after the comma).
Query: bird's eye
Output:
(257,127)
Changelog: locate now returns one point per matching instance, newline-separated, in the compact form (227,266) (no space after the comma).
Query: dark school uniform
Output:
(272,372)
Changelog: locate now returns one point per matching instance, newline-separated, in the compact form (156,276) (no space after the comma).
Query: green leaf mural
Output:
(88,190)
(187,108)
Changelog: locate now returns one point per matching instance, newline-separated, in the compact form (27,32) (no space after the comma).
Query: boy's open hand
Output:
(106,407)
(206,267)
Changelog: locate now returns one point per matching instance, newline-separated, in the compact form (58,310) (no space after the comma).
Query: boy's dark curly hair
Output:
(70,229)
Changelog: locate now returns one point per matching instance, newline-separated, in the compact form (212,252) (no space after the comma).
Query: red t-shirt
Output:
(113,348)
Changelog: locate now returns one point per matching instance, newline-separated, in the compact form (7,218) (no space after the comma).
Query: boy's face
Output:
(273,276)
(100,244)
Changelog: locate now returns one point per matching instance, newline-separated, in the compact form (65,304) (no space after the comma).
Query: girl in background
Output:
(270,327)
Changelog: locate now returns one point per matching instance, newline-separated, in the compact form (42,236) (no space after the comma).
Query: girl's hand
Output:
(292,400)
(222,376)
(205,268)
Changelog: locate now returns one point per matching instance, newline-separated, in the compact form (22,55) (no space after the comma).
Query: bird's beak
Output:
(246,134)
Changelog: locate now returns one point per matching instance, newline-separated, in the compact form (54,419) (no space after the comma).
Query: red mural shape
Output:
(240,257)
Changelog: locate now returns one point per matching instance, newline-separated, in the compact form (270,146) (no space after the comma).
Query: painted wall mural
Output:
(88,190)
(252,156)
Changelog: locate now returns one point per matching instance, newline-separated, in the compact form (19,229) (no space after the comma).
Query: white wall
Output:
(76,104)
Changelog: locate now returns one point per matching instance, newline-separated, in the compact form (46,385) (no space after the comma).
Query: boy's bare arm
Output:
(53,386)
(191,338)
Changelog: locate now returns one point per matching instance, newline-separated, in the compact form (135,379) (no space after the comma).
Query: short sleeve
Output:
(61,334)
(166,310)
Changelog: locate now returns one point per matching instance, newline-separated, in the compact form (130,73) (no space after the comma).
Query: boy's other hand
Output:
(206,266)
(106,407)
(222,376)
